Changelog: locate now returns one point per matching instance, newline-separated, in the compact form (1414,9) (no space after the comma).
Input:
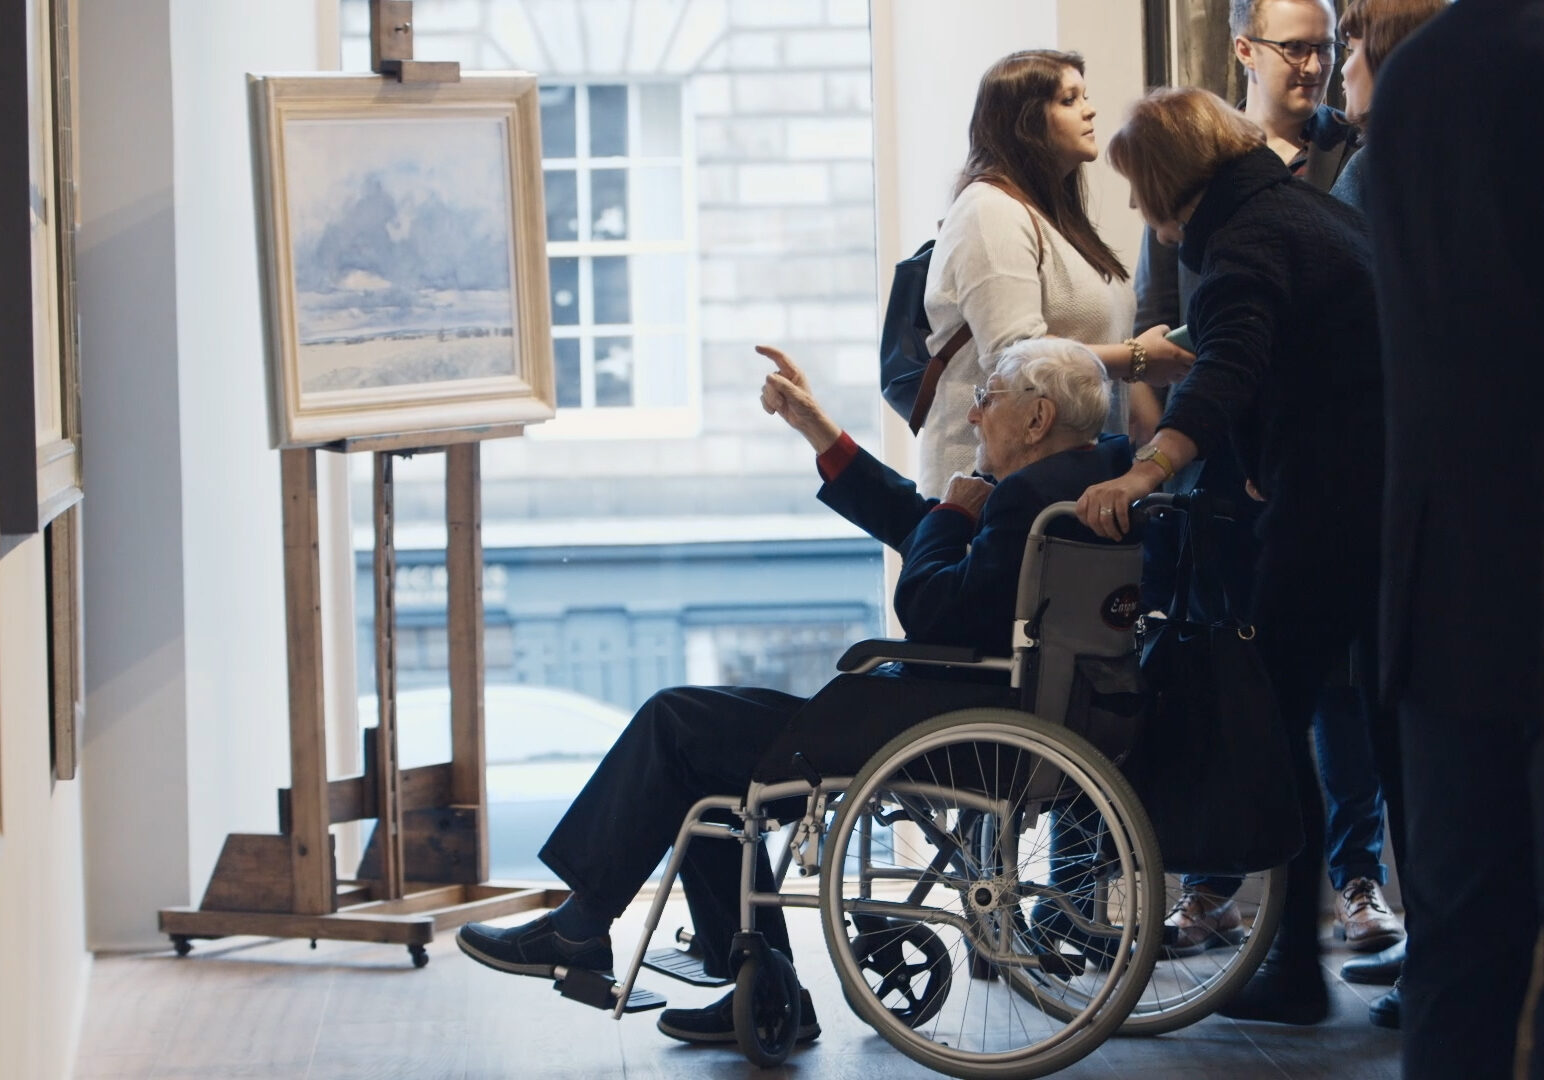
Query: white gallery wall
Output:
(44,965)
(186,735)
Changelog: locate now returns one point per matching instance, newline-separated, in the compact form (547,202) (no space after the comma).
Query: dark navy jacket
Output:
(959,578)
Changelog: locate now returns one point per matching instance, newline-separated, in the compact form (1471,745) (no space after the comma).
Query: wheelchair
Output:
(990,889)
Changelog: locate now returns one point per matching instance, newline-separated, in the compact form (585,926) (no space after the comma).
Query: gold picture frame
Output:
(403,239)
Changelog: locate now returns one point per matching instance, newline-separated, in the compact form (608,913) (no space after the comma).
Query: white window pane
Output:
(660,361)
(569,375)
(657,210)
(608,204)
(659,289)
(563,277)
(613,300)
(659,119)
(608,121)
(614,368)
(562,190)
(557,121)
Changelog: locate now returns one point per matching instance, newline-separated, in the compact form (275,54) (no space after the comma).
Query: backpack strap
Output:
(928,388)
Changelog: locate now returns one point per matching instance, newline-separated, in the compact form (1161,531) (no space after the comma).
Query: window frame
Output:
(591,421)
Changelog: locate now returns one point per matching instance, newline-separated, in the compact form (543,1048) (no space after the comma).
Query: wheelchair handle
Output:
(1139,511)
(1051,513)
(1158,502)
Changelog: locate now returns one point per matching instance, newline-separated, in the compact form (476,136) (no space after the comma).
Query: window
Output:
(620,257)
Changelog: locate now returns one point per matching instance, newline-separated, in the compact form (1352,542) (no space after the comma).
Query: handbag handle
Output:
(1200,593)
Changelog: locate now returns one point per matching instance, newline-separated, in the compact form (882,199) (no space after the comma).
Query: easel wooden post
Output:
(426,866)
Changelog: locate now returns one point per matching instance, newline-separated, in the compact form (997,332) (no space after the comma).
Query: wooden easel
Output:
(426,865)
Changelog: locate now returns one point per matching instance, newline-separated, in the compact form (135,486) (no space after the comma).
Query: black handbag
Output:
(1211,765)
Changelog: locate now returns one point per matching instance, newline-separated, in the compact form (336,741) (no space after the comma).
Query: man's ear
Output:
(1042,418)
(1243,48)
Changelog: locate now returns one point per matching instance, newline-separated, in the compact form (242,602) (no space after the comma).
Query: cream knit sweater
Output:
(984,271)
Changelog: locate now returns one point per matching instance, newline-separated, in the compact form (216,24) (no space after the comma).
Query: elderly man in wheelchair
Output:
(978,836)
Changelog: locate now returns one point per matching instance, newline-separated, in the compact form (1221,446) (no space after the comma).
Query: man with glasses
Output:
(1288,49)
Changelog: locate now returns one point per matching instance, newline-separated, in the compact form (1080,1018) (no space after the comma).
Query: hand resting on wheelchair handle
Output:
(1038,419)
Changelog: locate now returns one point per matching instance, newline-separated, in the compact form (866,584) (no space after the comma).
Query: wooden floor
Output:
(249,1007)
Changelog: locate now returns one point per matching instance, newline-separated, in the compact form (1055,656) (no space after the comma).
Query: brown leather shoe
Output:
(1363,918)
(1201,920)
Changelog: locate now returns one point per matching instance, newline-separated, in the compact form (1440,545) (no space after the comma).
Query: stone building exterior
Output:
(709,171)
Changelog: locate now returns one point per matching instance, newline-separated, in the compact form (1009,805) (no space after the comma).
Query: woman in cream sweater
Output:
(1017,257)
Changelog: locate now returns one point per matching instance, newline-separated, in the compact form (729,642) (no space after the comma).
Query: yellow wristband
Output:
(1158,458)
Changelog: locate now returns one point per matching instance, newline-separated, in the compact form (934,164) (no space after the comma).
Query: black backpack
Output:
(908,376)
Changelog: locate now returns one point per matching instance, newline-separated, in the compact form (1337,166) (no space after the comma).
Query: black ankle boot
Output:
(1282,992)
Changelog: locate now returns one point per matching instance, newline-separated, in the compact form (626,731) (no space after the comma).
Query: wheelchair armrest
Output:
(865,656)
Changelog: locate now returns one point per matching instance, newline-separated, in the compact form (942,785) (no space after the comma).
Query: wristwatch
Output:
(1150,452)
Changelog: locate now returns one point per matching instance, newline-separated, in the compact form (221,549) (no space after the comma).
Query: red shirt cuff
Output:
(836,457)
(955,507)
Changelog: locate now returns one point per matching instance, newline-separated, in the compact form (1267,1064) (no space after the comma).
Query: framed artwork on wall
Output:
(40,461)
(1189,44)
(403,241)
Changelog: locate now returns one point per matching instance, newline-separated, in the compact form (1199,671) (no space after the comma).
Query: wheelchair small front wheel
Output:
(907,964)
(766,1007)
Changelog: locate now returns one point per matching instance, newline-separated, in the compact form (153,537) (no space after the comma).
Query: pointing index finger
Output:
(778,357)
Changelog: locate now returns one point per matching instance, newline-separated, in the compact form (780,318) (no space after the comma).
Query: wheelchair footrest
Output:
(680,964)
(643,1001)
(600,991)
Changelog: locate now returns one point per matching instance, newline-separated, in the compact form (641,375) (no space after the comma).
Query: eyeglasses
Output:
(1297,53)
(984,392)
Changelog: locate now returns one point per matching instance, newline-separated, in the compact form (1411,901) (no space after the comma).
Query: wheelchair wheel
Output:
(1193,976)
(1192,982)
(931,786)
(766,1007)
(906,964)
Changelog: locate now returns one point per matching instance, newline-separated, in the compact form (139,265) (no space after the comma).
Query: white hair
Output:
(1067,373)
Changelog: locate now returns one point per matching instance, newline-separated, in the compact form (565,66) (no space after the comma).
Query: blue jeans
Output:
(1353,798)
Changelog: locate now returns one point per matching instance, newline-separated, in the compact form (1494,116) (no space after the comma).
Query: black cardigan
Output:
(1287,351)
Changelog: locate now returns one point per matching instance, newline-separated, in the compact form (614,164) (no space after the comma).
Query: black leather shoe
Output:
(715,1024)
(1384,1011)
(1378,969)
(533,949)
(1282,994)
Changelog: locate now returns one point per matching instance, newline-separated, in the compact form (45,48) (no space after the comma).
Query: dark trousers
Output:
(1353,794)
(1309,612)
(1474,833)
(682,745)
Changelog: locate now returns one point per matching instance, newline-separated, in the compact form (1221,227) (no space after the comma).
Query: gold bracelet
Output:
(1138,360)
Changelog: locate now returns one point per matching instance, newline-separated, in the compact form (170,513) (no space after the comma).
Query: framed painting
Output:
(40,464)
(403,241)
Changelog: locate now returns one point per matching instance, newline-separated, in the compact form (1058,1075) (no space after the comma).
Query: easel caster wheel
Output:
(419,954)
(182,944)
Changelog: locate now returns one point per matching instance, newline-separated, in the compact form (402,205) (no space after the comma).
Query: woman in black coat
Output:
(1287,376)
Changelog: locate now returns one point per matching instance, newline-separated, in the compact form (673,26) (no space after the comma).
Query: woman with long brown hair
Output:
(1017,256)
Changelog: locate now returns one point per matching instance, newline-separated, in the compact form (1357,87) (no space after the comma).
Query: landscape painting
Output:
(406,268)
(402,264)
